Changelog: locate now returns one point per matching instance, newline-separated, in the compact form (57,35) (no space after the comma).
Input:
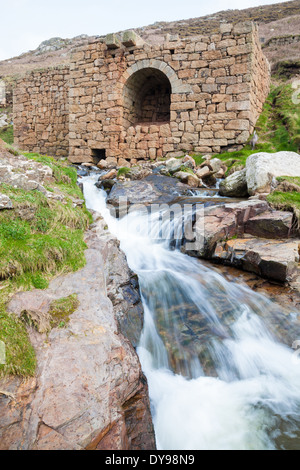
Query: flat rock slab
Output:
(273,225)
(272,259)
(155,189)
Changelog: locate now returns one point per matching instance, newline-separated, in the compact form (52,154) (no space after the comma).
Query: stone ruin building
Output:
(124,100)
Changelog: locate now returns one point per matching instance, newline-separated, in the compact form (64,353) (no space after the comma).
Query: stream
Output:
(218,376)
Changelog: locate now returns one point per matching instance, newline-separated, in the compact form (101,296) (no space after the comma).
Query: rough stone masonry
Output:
(124,100)
(2,93)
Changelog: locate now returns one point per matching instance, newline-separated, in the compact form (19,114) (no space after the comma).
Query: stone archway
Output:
(147,89)
(147,97)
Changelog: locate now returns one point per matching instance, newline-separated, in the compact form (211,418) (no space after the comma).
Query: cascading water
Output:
(218,378)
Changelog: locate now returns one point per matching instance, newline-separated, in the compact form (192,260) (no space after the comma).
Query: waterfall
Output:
(218,377)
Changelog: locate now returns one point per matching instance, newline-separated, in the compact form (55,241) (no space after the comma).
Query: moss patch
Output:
(123,171)
(293,180)
(61,309)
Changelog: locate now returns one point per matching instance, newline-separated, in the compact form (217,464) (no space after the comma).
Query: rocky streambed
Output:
(238,231)
(89,391)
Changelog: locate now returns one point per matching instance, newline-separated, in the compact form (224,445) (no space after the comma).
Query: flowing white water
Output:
(217,377)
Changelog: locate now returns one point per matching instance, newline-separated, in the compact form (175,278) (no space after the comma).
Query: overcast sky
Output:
(26,23)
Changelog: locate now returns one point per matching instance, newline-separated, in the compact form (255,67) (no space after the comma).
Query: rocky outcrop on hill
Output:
(89,391)
(55,44)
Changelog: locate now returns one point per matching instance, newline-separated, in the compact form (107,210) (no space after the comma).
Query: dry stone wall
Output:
(2,93)
(130,101)
(41,112)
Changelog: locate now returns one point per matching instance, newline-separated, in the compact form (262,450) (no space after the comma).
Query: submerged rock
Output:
(105,184)
(154,189)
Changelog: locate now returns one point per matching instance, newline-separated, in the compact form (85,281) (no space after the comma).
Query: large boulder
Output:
(235,185)
(262,168)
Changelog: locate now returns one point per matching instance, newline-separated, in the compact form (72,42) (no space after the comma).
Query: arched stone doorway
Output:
(147,98)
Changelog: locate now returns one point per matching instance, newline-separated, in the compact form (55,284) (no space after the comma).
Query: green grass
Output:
(7,134)
(20,356)
(279,123)
(123,171)
(39,239)
(287,202)
(287,196)
(290,179)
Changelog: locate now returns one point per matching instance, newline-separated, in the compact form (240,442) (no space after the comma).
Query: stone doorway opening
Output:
(97,155)
(147,98)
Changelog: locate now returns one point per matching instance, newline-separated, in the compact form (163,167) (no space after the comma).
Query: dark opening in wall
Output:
(147,97)
(98,154)
(172,51)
